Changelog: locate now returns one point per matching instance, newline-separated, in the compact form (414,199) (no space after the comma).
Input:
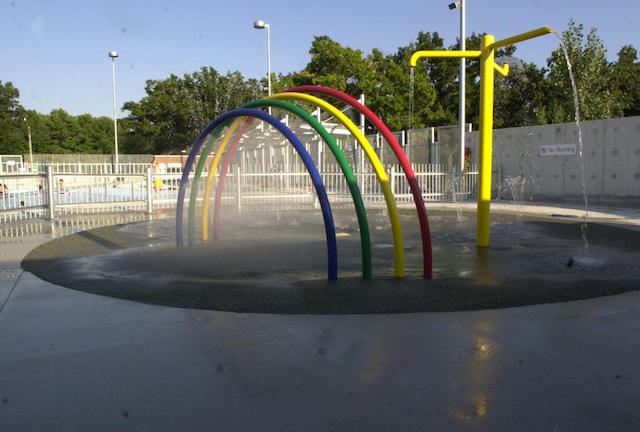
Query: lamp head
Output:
(113,54)
(259,24)
(454,5)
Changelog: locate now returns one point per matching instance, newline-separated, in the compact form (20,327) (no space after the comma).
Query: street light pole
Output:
(30,148)
(268,59)
(259,24)
(114,55)
(461,108)
(463,89)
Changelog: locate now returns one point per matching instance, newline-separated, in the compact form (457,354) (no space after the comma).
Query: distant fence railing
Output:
(80,188)
(74,168)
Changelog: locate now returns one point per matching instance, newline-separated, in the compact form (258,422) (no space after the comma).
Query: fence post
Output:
(454,179)
(50,186)
(149,191)
(239,190)
(434,151)
(393,180)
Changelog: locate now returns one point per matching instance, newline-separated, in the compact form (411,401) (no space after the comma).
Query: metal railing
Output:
(85,193)
(91,168)
(23,196)
(62,190)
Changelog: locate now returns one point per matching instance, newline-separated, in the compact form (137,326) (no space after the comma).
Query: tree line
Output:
(175,109)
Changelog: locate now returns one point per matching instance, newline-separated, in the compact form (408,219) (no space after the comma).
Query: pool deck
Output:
(74,361)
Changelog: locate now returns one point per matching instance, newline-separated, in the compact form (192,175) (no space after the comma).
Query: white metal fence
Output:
(19,167)
(72,188)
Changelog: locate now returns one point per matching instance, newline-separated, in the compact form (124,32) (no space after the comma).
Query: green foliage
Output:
(383,79)
(176,109)
(387,90)
(520,97)
(592,75)
(57,132)
(13,130)
(626,75)
(334,66)
(431,82)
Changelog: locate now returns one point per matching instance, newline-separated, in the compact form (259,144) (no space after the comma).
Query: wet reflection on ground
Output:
(66,225)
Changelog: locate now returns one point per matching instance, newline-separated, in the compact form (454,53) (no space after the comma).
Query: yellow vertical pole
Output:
(487,65)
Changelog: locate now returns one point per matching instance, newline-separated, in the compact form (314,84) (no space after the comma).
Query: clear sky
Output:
(55,51)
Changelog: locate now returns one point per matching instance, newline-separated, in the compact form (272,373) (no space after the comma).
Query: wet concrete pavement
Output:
(76,361)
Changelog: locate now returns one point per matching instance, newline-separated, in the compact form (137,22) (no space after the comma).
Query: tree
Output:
(435,85)
(626,75)
(95,134)
(520,96)
(13,135)
(383,79)
(592,76)
(387,90)
(333,65)
(161,121)
(176,109)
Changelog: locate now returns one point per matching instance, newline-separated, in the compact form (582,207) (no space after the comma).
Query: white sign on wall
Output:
(559,150)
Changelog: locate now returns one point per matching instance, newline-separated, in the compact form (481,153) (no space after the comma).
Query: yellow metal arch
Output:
(383,179)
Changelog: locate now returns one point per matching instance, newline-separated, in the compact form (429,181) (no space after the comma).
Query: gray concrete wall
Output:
(611,160)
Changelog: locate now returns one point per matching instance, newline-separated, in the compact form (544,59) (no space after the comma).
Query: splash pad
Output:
(276,268)
(275,262)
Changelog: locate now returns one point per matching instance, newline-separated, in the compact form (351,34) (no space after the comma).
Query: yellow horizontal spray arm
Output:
(442,54)
(520,37)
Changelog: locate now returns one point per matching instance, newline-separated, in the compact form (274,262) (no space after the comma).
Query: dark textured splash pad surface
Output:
(276,263)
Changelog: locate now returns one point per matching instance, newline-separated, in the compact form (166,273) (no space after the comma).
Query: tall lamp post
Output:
(114,55)
(259,25)
(461,108)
